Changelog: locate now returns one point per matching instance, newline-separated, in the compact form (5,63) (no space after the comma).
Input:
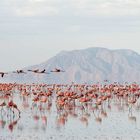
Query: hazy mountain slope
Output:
(89,65)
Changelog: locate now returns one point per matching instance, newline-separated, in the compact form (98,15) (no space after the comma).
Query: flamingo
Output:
(84,120)
(2,104)
(43,71)
(57,70)
(35,71)
(39,72)
(2,74)
(19,71)
(132,100)
(11,104)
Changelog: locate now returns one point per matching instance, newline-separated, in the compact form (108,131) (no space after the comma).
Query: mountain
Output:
(90,65)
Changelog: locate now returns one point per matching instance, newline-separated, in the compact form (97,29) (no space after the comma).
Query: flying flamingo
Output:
(35,71)
(2,74)
(57,70)
(19,71)
(39,72)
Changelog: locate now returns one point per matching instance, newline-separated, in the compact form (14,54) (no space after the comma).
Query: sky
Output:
(32,31)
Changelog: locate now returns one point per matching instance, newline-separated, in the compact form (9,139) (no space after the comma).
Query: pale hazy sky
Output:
(31,31)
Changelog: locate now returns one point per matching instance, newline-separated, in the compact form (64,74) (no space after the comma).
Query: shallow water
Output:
(113,120)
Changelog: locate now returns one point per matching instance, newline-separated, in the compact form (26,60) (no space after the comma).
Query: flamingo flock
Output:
(56,70)
(79,101)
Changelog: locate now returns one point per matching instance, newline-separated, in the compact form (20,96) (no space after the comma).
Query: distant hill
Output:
(90,65)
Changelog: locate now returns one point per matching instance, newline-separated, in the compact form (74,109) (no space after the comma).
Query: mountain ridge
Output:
(89,66)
